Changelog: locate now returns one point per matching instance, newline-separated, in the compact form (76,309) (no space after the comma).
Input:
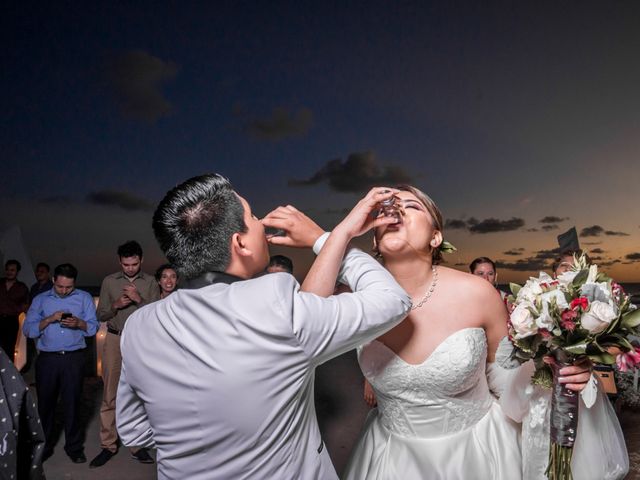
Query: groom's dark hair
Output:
(194,224)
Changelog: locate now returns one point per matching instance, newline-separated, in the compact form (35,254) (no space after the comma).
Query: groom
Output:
(219,376)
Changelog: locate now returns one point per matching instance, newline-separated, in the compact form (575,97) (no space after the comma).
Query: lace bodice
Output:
(446,393)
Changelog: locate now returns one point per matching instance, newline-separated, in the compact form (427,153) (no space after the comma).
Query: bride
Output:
(434,375)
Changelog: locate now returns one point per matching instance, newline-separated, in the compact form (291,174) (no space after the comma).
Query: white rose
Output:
(545,321)
(599,316)
(529,291)
(523,321)
(567,277)
(561,301)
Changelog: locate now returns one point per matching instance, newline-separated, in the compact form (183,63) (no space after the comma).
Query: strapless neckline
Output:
(435,350)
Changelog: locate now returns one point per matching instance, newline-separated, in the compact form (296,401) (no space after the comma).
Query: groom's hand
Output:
(300,230)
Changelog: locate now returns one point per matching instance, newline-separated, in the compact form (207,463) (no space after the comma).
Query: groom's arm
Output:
(328,327)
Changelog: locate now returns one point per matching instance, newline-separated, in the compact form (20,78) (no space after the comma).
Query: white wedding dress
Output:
(435,420)
(439,420)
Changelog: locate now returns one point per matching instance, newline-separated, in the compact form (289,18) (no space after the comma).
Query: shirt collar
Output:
(210,278)
(53,293)
(141,275)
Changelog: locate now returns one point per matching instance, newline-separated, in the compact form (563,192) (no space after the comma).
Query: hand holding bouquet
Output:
(583,314)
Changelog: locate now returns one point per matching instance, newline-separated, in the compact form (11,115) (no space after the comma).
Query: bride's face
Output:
(414,234)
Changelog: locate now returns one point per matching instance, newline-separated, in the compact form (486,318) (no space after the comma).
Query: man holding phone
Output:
(60,319)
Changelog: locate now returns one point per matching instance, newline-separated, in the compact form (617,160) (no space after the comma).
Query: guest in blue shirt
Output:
(60,319)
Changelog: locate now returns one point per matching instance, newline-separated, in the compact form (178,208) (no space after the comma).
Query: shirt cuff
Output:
(320,242)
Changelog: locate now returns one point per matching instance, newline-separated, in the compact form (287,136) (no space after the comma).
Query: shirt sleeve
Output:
(131,417)
(35,314)
(105,313)
(89,316)
(328,327)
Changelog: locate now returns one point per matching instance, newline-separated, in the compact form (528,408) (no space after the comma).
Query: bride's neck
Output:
(412,273)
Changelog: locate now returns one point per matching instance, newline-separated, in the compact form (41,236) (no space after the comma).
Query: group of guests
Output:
(59,319)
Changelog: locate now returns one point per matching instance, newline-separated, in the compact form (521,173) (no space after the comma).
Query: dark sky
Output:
(520,119)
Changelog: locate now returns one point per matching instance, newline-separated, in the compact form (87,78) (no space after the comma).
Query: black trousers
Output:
(61,375)
(9,334)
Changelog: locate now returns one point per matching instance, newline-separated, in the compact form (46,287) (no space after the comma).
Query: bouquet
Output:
(583,314)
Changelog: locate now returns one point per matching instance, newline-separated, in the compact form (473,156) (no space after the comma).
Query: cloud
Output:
(357,174)
(514,252)
(123,200)
(597,250)
(281,124)
(597,230)
(548,228)
(488,225)
(552,219)
(635,256)
(491,225)
(540,261)
(454,224)
(593,231)
(136,79)
(609,263)
(523,265)
(532,230)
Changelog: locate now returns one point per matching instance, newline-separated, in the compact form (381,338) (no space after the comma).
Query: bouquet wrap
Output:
(564,425)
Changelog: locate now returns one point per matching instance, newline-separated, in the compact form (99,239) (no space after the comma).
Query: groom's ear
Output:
(238,245)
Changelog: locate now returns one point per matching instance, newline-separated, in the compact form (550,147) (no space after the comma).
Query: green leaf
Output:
(603,358)
(515,288)
(580,278)
(577,348)
(631,319)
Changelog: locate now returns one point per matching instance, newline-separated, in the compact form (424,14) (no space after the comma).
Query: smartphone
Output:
(66,315)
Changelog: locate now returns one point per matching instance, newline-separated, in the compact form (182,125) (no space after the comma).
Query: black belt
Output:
(63,352)
(113,330)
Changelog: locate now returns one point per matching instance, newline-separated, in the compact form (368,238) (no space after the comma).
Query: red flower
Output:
(616,287)
(581,302)
(568,325)
(545,333)
(628,360)
(569,315)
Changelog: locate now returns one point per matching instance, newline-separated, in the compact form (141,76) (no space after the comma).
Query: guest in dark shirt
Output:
(44,283)
(14,298)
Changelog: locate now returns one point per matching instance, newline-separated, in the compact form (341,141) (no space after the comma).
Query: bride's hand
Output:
(576,376)
(369,395)
(360,219)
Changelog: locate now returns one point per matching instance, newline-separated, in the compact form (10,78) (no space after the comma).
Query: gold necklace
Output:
(429,292)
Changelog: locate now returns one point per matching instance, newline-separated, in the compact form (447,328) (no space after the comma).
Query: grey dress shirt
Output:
(220,379)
